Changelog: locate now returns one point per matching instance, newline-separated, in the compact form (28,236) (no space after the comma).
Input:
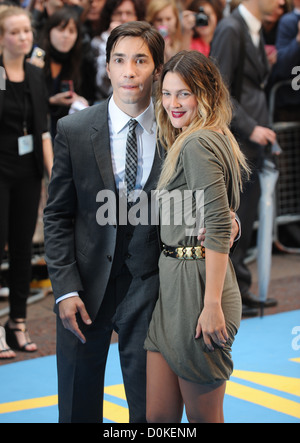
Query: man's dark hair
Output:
(146,32)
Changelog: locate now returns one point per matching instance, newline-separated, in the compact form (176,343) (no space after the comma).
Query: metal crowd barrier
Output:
(287,204)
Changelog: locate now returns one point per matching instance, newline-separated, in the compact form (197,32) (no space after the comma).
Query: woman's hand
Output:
(67,99)
(212,325)
(62,99)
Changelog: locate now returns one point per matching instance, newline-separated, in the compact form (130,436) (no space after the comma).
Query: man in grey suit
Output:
(238,49)
(105,275)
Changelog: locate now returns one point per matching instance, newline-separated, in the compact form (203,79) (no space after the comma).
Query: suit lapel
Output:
(101,145)
(155,171)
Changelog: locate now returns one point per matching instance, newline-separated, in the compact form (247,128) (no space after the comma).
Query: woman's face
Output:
(63,38)
(17,38)
(166,18)
(178,101)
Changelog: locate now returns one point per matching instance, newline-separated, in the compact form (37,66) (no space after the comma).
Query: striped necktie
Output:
(131,158)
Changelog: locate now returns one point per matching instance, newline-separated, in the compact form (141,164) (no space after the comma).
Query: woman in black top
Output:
(69,64)
(25,148)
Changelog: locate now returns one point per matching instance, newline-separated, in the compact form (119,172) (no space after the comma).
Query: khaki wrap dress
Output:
(205,163)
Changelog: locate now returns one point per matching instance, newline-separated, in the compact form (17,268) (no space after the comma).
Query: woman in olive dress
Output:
(199,309)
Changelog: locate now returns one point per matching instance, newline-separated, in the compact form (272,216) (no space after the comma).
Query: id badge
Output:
(25,144)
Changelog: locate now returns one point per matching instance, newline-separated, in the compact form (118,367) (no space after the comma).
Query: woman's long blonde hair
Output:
(214,110)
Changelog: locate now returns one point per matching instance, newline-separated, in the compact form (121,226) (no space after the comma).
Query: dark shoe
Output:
(249,312)
(12,340)
(252,301)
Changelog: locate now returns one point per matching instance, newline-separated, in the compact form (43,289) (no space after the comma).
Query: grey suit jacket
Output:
(251,110)
(80,252)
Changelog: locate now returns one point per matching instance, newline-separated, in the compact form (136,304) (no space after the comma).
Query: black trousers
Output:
(248,215)
(19,202)
(127,308)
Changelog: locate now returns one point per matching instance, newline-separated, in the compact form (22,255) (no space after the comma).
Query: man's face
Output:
(131,70)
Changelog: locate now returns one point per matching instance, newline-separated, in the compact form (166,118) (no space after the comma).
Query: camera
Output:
(38,53)
(201,18)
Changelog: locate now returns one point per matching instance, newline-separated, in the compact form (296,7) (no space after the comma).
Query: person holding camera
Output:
(202,18)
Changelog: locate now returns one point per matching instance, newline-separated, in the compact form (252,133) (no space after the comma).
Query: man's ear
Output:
(108,71)
(157,73)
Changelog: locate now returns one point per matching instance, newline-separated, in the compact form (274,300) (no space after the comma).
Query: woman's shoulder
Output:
(204,139)
(34,74)
(207,147)
(34,70)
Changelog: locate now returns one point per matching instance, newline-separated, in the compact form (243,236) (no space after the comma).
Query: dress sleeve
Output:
(204,171)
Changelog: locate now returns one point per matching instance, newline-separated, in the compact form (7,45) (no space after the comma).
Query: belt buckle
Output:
(189,255)
(180,253)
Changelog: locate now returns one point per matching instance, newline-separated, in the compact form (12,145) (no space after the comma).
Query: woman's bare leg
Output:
(204,404)
(164,400)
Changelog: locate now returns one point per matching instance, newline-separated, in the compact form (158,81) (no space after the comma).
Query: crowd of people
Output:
(87,24)
(56,56)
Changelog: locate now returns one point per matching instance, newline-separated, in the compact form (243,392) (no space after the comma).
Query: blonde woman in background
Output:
(164,16)
(25,150)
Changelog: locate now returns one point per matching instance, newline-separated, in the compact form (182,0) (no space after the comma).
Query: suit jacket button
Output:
(109,258)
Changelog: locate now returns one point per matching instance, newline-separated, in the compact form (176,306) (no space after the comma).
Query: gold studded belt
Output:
(185,253)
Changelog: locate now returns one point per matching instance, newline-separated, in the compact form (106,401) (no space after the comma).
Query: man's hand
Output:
(68,309)
(263,136)
(298,35)
(234,231)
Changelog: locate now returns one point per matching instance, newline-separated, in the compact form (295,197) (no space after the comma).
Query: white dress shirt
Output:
(146,142)
(253,24)
(118,123)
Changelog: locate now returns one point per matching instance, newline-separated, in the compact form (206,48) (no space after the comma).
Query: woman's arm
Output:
(212,321)
(204,171)
(47,152)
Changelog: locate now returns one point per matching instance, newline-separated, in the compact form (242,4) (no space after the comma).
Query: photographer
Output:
(202,17)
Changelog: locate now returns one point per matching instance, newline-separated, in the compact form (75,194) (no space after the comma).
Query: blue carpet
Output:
(265,387)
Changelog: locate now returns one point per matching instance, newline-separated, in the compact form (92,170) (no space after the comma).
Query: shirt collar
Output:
(253,23)
(119,120)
